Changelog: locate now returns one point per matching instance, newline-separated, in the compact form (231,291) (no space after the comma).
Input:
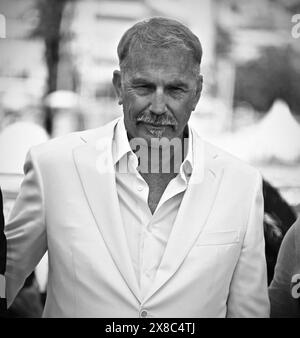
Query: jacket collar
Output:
(94,163)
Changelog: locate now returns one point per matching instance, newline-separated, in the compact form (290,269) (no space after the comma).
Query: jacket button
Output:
(143,314)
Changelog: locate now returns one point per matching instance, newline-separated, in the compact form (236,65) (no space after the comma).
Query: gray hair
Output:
(159,33)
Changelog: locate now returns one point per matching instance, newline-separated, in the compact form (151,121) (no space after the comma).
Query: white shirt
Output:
(147,234)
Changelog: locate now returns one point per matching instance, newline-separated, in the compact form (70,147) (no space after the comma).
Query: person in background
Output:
(2,260)
(279,216)
(27,303)
(284,290)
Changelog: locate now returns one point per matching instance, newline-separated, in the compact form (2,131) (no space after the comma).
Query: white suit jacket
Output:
(213,265)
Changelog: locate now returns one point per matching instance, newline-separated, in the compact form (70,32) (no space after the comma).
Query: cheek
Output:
(183,110)
(133,104)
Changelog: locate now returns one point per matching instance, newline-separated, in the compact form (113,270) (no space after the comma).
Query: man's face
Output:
(158,90)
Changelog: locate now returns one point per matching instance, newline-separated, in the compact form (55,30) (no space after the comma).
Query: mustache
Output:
(166,119)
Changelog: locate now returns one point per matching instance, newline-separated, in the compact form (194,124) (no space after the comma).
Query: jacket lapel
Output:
(94,164)
(192,215)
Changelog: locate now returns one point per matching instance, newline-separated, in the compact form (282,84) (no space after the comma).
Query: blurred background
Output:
(56,63)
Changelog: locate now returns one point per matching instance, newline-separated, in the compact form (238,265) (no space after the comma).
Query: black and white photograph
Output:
(150,161)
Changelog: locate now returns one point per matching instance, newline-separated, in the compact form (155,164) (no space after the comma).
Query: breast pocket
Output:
(218,238)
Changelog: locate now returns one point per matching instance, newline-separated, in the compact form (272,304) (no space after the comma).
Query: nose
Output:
(158,102)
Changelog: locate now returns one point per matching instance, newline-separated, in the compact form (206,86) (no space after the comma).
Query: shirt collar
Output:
(187,165)
(121,147)
(121,144)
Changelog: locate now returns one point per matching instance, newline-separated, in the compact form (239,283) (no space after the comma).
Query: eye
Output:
(176,91)
(142,89)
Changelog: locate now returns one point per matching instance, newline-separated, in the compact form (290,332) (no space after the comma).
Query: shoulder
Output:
(231,164)
(62,147)
(296,227)
(290,240)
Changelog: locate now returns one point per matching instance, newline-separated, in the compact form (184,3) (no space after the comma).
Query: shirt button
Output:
(140,188)
(143,313)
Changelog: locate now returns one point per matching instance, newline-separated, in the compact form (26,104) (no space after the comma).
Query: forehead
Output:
(160,62)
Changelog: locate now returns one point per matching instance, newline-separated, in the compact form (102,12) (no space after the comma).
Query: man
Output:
(2,259)
(127,234)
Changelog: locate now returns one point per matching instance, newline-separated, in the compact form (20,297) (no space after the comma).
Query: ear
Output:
(118,85)
(198,91)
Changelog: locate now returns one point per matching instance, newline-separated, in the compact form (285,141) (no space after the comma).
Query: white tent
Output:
(15,141)
(275,138)
(278,136)
(62,99)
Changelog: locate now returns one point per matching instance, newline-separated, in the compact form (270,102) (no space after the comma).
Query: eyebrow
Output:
(140,80)
(174,83)
(177,83)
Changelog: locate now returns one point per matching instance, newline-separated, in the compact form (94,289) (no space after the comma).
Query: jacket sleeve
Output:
(25,230)
(248,295)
